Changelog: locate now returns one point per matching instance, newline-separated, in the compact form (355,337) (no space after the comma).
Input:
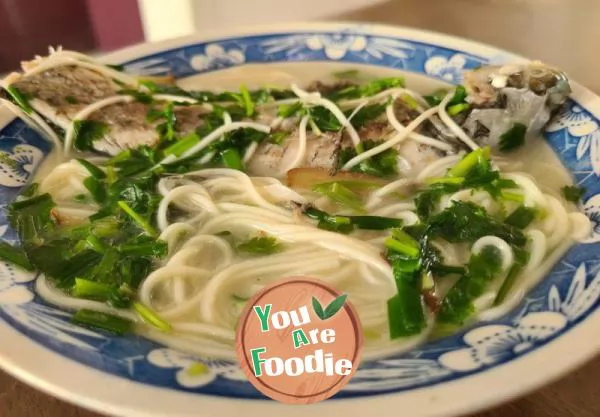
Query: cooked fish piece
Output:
(322,151)
(60,93)
(503,96)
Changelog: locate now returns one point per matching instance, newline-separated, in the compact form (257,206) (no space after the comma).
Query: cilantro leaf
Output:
(573,193)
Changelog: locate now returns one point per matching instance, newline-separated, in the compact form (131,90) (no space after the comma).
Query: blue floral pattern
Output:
(568,294)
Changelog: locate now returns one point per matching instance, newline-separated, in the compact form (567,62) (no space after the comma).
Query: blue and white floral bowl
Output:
(552,331)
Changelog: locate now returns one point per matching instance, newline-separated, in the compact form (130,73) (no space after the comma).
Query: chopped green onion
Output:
(91,290)
(137,218)
(405,310)
(512,196)
(513,138)
(427,282)
(460,95)
(278,137)
(340,194)
(521,217)
(150,317)
(86,132)
(402,243)
(508,283)
(261,245)
(16,256)
(107,322)
(408,99)
(573,193)
(289,110)
(20,98)
(457,109)
(30,190)
(92,169)
(231,159)
(436,98)
(182,145)
(247,101)
(462,168)
(445,180)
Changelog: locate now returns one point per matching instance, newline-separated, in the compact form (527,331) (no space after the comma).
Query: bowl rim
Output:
(93,389)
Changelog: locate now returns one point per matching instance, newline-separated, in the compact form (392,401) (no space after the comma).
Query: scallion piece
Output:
(91,290)
(512,196)
(402,243)
(507,284)
(137,218)
(150,317)
(445,180)
(521,217)
(20,98)
(264,245)
(94,171)
(107,322)
(231,159)
(457,109)
(16,256)
(340,194)
(375,222)
(247,100)
(410,101)
(462,168)
(182,145)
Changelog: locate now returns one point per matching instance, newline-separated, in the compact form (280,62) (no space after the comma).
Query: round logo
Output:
(299,341)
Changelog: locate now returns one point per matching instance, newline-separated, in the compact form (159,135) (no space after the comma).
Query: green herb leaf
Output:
(384,164)
(573,193)
(247,101)
(457,306)
(137,218)
(32,217)
(139,96)
(86,132)
(92,169)
(513,138)
(263,245)
(289,110)
(277,138)
(366,90)
(467,222)
(366,114)
(16,256)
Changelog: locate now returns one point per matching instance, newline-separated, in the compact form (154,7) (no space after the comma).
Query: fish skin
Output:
(59,93)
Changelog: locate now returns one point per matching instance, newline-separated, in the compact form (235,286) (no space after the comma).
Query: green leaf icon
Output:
(335,306)
(331,310)
(318,308)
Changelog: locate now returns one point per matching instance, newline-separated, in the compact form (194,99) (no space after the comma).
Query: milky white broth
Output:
(205,331)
